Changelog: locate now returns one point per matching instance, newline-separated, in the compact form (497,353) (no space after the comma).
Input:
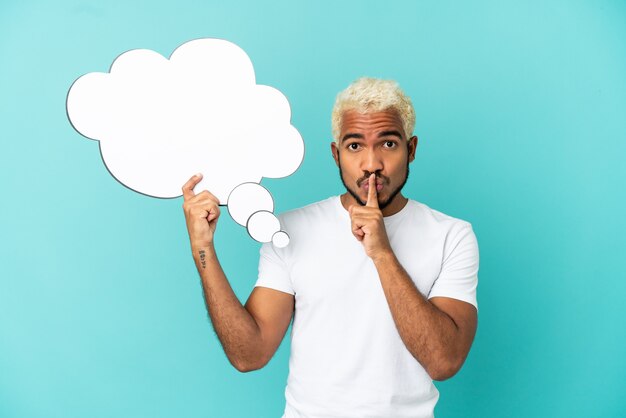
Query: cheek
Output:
(346,173)
(348,165)
(399,168)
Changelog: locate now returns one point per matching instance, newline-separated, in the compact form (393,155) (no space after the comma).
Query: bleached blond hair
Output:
(369,95)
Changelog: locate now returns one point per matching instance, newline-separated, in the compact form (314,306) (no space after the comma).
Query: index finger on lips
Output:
(372,195)
(191,183)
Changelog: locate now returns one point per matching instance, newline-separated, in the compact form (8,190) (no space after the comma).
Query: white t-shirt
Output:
(347,358)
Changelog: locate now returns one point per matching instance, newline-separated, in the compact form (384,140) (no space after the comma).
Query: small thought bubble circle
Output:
(262,226)
(280,239)
(246,199)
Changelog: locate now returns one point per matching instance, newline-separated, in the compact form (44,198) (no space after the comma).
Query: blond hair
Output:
(368,95)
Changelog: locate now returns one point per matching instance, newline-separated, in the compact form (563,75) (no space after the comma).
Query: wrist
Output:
(383,257)
(206,249)
(203,257)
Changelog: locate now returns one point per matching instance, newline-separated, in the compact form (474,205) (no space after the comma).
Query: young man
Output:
(382,288)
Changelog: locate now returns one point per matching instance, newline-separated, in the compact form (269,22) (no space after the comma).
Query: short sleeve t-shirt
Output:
(347,358)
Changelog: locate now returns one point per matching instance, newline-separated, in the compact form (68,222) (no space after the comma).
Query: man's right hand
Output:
(201,213)
(249,334)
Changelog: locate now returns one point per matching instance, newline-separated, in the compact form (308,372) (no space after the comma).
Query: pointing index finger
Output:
(372,194)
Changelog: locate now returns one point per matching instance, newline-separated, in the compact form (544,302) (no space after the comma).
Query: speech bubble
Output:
(159,121)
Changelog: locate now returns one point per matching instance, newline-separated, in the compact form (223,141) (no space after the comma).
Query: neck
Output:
(396,205)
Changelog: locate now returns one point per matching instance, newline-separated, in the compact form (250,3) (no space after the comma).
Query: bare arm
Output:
(439,332)
(249,335)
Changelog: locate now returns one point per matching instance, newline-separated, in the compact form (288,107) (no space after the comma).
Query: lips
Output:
(366,186)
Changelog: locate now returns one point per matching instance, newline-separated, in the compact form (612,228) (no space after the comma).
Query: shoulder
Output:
(436,221)
(456,236)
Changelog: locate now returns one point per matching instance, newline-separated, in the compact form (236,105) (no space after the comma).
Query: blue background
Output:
(521,119)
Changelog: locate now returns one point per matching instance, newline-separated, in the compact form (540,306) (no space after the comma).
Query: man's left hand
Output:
(368,225)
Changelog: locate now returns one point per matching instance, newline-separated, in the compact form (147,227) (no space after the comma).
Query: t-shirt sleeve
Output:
(458,278)
(273,270)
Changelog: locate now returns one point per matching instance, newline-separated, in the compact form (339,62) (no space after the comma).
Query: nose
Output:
(372,162)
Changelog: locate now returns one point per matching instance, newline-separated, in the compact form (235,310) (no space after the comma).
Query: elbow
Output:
(444,370)
(442,375)
(246,366)
(244,369)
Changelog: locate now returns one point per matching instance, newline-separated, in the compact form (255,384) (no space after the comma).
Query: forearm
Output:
(428,333)
(236,329)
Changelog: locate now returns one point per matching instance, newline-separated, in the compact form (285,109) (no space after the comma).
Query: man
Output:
(382,288)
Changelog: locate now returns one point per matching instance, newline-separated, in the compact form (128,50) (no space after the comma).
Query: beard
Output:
(381,205)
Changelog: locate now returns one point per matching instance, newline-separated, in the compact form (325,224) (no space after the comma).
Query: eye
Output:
(353,146)
(390,144)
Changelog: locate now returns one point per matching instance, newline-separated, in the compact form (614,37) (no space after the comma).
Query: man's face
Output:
(373,143)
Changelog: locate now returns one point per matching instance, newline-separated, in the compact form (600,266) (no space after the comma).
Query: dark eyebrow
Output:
(390,133)
(348,136)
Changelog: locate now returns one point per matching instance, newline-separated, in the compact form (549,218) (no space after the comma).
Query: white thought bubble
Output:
(159,121)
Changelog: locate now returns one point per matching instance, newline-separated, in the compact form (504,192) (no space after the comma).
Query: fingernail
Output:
(199,175)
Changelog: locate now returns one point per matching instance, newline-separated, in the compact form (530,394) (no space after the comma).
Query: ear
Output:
(335,150)
(412,145)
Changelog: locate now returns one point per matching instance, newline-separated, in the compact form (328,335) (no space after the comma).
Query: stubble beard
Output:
(381,205)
